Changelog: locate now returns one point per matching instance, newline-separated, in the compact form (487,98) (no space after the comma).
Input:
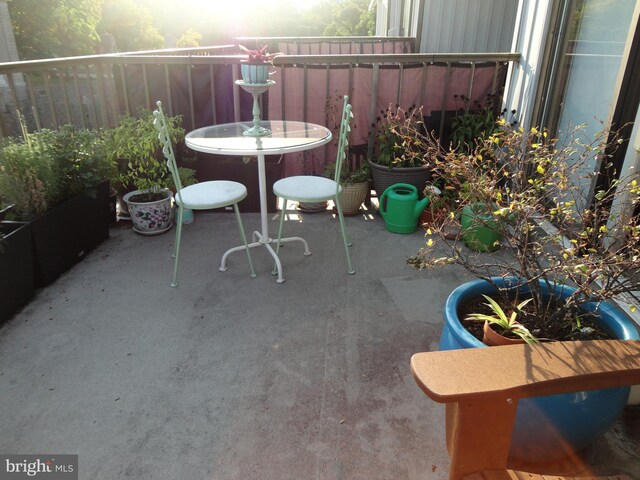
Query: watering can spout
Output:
(420,206)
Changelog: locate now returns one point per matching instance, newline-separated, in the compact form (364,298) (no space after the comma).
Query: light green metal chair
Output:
(201,196)
(310,188)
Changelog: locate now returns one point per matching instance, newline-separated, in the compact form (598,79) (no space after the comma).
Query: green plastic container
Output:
(479,230)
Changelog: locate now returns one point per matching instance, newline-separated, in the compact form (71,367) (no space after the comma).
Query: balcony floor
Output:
(233,377)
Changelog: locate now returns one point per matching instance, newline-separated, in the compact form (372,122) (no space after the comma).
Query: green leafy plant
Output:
(475,121)
(351,171)
(401,138)
(187,177)
(79,157)
(134,147)
(552,230)
(28,179)
(348,176)
(505,324)
(41,170)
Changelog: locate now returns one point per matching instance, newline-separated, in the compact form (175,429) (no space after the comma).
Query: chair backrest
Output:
(343,138)
(160,122)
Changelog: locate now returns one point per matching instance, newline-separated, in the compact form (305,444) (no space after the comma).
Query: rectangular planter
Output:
(63,235)
(243,170)
(16,268)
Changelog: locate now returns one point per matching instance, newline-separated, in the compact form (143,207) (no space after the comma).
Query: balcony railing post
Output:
(93,110)
(104,104)
(236,93)
(47,86)
(445,99)
(63,86)
(373,107)
(76,85)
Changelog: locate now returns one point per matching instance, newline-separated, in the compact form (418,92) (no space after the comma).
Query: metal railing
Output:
(92,91)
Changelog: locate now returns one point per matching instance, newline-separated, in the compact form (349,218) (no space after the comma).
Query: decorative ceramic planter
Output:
(351,197)
(254,73)
(548,428)
(383,178)
(150,218)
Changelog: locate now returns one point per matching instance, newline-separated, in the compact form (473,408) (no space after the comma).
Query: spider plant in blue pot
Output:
(569,256)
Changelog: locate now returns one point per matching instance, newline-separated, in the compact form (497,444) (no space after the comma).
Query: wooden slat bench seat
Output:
(481,388)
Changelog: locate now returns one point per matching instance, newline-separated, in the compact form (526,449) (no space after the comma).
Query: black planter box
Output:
(16,268)
(63,235)
(243,170)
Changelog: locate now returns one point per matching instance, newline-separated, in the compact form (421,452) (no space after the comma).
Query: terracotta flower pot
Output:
(493,339)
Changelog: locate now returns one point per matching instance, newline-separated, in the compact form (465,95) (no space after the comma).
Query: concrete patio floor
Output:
(233,377)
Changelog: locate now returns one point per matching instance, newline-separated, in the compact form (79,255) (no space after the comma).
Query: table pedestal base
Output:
(259,240)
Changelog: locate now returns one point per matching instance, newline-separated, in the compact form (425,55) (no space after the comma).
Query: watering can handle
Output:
(381,204)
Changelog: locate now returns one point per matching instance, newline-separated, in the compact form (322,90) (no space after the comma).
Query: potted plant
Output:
(355,174)
(255,69)
(475,121)
(569,255)
(402,149)
(442,202)
(354,186)
(57,182)
(134,146)
(500,328)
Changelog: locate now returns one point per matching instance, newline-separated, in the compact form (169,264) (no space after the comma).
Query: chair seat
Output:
(305,188)
(212,194)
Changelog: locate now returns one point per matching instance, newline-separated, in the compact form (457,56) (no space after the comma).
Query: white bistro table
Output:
(285,137)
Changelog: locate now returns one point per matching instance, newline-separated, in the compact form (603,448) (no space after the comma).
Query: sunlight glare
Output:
(234,8)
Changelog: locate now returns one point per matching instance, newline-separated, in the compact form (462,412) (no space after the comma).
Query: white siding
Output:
(8,50)
(468,26)
(530,35)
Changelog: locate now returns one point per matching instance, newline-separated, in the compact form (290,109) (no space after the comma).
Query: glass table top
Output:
(286,136)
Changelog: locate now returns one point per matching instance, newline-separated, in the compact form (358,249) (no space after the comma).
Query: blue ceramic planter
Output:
(254,73)
(552,427)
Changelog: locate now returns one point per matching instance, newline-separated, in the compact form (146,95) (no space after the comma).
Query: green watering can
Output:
(400,208)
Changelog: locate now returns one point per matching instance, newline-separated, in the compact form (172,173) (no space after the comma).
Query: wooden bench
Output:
(481,388)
